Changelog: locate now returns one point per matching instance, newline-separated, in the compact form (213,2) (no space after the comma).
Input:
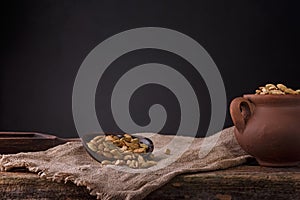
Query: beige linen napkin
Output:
(70,162)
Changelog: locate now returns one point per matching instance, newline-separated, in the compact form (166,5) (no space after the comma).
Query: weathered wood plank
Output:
(20,185)
(15,142)
(244,182)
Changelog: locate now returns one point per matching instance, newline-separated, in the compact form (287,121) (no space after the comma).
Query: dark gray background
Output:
(43,43)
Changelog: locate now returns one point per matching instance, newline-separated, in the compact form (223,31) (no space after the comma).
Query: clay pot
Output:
(268,128)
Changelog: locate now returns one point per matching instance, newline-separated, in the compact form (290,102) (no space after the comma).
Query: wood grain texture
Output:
(244,182)
(20,185)
(15,142)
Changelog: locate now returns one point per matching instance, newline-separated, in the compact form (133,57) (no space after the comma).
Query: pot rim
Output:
(270,99)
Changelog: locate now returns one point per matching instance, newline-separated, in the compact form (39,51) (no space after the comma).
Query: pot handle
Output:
(241,110)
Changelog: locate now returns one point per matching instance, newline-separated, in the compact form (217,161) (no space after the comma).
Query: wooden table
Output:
(244,182)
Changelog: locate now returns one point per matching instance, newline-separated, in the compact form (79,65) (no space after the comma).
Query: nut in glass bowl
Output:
(120,149)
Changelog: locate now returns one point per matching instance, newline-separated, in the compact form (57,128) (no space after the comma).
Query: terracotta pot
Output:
(268,128)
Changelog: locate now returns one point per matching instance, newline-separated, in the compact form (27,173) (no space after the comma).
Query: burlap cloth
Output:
(70,162)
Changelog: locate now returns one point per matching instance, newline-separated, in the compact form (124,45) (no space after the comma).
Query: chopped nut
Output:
(127,157)
(140,150)
(106,149)
(168,151)
(135,140)
(279,89)
(270,86)
(127,137)
(106,162)
(265,90)
(119,162)
(100,146)
(289,91)
(141,159)
(92,146)
(135,164)
(107,155)
(126,150)
(276,92)
(151,163)
(128,162)
(109,138)
(144,146)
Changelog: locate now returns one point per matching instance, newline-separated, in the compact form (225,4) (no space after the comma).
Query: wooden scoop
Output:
(15,142)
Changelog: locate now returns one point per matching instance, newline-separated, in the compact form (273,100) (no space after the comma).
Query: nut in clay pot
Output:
(268,128)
